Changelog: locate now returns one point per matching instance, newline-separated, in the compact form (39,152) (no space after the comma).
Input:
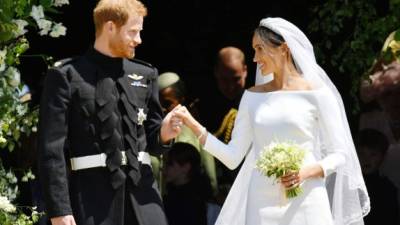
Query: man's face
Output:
(231,78)
(125,39)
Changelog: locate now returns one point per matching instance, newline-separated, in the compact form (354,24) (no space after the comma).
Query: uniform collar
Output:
(107,63)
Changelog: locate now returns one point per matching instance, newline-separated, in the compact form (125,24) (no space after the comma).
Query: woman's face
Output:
(267,57)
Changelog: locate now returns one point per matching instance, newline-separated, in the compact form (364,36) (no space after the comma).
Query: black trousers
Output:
(129,211)
(130,215)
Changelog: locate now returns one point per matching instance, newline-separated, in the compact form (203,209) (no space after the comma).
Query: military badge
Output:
(141,116)
(138,84)
(134,76)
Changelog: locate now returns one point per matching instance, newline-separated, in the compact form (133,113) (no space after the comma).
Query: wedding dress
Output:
(315,119)
(263,117)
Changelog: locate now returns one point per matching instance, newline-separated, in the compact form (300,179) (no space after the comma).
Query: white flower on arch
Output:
(37,12)
(21,24)
(58,3)
(58,30)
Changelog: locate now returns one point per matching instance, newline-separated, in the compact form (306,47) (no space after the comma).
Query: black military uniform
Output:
(91,105)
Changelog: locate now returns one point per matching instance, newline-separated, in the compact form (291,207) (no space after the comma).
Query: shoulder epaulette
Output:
(65,61)
(141,62)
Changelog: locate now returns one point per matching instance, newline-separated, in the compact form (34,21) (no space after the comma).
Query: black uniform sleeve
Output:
(53,127)
(154,120)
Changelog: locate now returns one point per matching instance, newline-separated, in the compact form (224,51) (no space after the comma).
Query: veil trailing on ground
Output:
(346,188)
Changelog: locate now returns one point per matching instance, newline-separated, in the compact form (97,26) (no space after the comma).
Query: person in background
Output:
(219,107)
(188,189)
(218,110)
(372,146)
(172,93)
(383,87)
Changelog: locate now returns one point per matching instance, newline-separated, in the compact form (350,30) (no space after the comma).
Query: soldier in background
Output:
(219,106)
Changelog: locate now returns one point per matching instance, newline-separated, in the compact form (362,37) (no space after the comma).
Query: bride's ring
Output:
(293,182)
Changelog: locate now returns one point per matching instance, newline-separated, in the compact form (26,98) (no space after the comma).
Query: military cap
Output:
(167,79)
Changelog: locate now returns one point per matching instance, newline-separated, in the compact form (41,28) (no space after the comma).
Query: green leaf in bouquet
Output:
(293,192)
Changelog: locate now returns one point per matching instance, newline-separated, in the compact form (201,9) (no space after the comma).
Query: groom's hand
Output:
(170,126)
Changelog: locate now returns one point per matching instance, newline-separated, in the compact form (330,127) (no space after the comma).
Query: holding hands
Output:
(181,113)
(170,126)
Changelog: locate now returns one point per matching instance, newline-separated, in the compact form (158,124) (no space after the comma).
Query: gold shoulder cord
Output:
(227,125)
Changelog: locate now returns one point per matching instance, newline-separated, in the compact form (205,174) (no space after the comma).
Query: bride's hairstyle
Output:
(273,39)
(269,37)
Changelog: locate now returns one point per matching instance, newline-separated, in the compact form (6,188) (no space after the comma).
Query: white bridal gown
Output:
(263,117)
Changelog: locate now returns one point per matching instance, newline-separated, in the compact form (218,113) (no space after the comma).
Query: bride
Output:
(300,104)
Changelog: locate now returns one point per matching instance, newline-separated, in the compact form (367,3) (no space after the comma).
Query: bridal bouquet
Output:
(278,159)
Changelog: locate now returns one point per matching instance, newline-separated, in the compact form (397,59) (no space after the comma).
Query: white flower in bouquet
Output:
(280,158)
(6,205)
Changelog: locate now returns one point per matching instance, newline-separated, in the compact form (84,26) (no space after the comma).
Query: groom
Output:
(100,118)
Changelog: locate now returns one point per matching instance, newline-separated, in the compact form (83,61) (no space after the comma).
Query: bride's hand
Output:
(183,113)
(307,172)
(291,180)
(187,118)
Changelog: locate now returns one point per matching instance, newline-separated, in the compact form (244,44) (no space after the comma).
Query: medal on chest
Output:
(141,116)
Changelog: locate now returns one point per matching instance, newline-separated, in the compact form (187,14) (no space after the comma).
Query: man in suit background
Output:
(219,106)
(100,118)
